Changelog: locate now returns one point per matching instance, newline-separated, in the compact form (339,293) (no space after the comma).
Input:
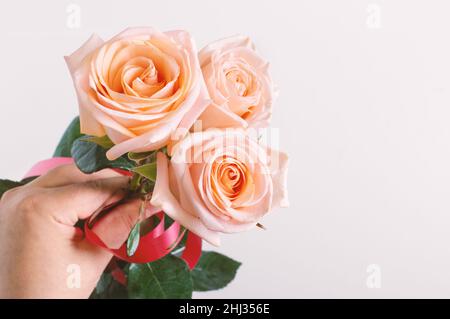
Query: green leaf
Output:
(91,157)
(147,186)
(103,141)
(108,288)
(104,283)
(214,271)
(135,182)
(140,156)
(147,170)
(133,239)
(70,135)
(164,278)
(27,180)
(6,184)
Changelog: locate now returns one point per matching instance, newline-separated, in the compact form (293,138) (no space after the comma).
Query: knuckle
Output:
(105,173)
(23,204)
(95,184)
(9,194)
(30,204)
(60,170)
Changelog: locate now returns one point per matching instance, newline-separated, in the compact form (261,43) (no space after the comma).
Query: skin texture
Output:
(39,244)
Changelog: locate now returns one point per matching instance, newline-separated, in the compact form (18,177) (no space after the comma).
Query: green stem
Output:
(135,182)
(142,210)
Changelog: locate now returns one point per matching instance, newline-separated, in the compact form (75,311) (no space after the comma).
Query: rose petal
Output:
(164,199)
(278,169)
(218,117)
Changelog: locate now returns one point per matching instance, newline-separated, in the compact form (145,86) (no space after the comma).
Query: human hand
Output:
(39,240)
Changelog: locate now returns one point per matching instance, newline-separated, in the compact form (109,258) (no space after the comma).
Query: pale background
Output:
(363,112)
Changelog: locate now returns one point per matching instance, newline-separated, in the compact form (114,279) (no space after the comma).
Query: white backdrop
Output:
(363,111)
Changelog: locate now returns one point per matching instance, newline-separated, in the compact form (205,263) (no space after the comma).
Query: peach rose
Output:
(239,84)
(138,87)
(220,181)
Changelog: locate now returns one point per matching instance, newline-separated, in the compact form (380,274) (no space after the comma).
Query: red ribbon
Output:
(152,246)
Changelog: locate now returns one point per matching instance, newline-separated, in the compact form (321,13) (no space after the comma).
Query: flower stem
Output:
(135,182)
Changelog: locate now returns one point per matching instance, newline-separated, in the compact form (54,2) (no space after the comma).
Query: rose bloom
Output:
(138,87)
(220,181)
(239,84)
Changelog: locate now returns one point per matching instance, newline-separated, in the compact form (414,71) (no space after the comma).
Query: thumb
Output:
(79,201)
(114,228)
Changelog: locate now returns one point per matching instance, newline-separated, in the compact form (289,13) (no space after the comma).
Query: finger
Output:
(114,228)
(69,174)
(72,202)
(94,259)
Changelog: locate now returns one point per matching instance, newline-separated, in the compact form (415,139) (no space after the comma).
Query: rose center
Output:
(230,176)
(237,81)
(149,76)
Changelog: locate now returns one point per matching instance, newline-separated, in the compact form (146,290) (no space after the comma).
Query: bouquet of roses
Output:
(181,123)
